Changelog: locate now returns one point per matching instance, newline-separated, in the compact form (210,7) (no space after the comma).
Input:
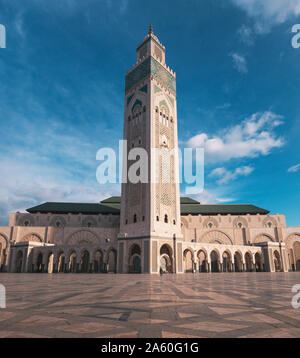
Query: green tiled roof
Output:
(223,209)
(112,206)
(74,208)
(112,200)
(186,200)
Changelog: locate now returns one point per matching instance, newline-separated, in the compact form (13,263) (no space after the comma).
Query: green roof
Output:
(186,200)
(112,206)
(74,208)
(223,209)
(112,200)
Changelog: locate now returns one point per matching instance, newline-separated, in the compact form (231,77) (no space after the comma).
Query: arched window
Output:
(166,218)
(134,218)
(174,222)
(26,223)
(157,218)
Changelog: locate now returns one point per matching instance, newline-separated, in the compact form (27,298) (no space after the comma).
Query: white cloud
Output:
(24,186)
(253,137)
(223,175)
(294,168)
(212,197)
(246,35)
(268,13)
(239,63)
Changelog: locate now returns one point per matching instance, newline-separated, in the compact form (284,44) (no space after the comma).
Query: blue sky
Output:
(62,92)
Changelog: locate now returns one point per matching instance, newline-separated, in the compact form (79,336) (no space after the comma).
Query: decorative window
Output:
(174,222)
(269,224)
(210,225)
(166,219)
(57,224)
(240,225)
(157,218)
(26,223)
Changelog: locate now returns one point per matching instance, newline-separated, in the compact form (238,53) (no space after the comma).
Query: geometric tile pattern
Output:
(189,305)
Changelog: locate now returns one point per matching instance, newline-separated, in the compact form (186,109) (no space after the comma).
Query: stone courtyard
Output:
(190,305)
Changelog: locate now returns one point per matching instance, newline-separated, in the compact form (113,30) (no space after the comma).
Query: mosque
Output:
(150,227)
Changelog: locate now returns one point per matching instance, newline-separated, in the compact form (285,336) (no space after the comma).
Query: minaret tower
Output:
(150,227)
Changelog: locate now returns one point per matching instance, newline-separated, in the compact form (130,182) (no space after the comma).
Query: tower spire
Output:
(150,30)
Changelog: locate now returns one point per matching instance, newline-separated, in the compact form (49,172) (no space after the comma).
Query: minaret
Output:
(150,212)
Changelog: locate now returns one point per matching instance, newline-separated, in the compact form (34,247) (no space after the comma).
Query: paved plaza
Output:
(190,305)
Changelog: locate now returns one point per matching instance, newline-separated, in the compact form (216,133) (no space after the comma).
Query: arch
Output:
(112,260)
(32,237)
(61,262)
(238,261)
(258,262)
(57,221)
(82,237)
(240,220)
(3,241)
(26,220)
(50,262)
(216,236)
(296,251)
(277,261)
(89,221)
(166,262)
(85,261)
(98,261)
(248,262)
(39,262)
(134,264)
(202,260)
(263,238)
(19,261)
(215,261)
(72,264)
(292,238)
(3,248)
(226,261)
(188,259)
(184,222)
(269,222)
(208,221)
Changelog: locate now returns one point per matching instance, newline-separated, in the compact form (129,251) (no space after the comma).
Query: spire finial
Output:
(150,29)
